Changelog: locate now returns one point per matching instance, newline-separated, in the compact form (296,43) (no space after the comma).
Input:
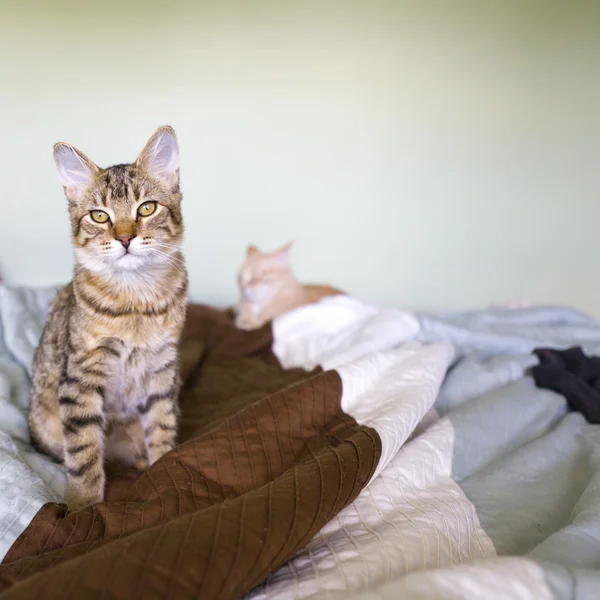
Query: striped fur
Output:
(106,376)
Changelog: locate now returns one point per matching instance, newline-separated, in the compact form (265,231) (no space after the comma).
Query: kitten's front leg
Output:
(160,410)
(81,390)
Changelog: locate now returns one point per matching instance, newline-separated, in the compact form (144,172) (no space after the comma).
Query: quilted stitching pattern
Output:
(411,517)
(267,458)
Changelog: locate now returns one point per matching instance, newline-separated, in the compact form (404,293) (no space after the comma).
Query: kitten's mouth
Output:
(126,252)
(128,260)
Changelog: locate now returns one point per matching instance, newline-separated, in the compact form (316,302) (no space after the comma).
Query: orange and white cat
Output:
(269,288)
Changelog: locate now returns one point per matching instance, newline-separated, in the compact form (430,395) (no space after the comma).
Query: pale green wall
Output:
(437,154)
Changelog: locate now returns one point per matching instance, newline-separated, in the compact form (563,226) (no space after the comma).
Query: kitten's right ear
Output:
(283,254)
(252,251)
(160,156)
(76,170)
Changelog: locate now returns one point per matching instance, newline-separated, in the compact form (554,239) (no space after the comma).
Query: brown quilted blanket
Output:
(266,458)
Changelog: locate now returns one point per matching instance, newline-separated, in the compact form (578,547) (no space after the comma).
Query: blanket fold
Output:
(267,457)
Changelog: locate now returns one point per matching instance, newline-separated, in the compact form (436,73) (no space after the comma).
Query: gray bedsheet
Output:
(27,479)
(529,465)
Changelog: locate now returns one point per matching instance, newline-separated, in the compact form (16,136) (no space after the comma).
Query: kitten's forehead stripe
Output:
(119,178)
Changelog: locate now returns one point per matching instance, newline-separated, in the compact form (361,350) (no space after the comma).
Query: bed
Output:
(342,451)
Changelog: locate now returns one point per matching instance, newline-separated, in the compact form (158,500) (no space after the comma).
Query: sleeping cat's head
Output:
(263,272)
(127,217)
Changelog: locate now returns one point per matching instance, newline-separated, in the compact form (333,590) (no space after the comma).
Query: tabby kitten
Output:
(269,288)
(105,376)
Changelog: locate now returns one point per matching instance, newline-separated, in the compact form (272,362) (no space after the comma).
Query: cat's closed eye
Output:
(268,276)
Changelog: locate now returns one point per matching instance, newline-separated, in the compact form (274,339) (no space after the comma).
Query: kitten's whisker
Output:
(92,261)
(166,254)
(162,253)
(170,259)
(166,244)
(168,247)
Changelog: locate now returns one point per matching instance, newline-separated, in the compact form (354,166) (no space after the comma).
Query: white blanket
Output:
(489,466)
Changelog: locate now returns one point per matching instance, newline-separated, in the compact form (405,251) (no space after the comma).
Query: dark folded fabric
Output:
(266,458)
(574,375)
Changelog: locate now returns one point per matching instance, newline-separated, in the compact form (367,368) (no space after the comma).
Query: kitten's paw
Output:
(77,501)
(245,323)
(142,463)
(156,454)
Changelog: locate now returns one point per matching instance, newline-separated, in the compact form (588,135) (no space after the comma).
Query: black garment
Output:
(572,374)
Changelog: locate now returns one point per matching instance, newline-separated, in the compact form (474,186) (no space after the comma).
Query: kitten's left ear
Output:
(160,156)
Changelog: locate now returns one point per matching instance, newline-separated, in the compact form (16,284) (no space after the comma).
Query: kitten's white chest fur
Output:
(129,383)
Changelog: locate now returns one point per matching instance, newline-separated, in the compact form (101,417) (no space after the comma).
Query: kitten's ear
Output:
(160,156)
(252,251)
(283,254)
(76,170)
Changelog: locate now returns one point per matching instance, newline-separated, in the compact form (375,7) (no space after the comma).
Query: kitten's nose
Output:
(125,240)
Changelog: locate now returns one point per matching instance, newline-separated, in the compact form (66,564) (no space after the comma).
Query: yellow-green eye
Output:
(99,216)
(146,209)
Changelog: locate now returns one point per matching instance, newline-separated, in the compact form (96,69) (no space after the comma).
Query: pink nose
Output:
(125,240)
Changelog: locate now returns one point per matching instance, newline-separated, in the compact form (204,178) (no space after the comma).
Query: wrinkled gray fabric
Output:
(27,479)
(530,466)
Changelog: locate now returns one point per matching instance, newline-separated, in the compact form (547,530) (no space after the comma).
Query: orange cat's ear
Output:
(160,156)
(75,169)
(283,254)
(252,251)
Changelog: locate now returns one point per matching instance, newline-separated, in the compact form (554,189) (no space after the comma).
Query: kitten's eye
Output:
(146,209)
(99,216)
